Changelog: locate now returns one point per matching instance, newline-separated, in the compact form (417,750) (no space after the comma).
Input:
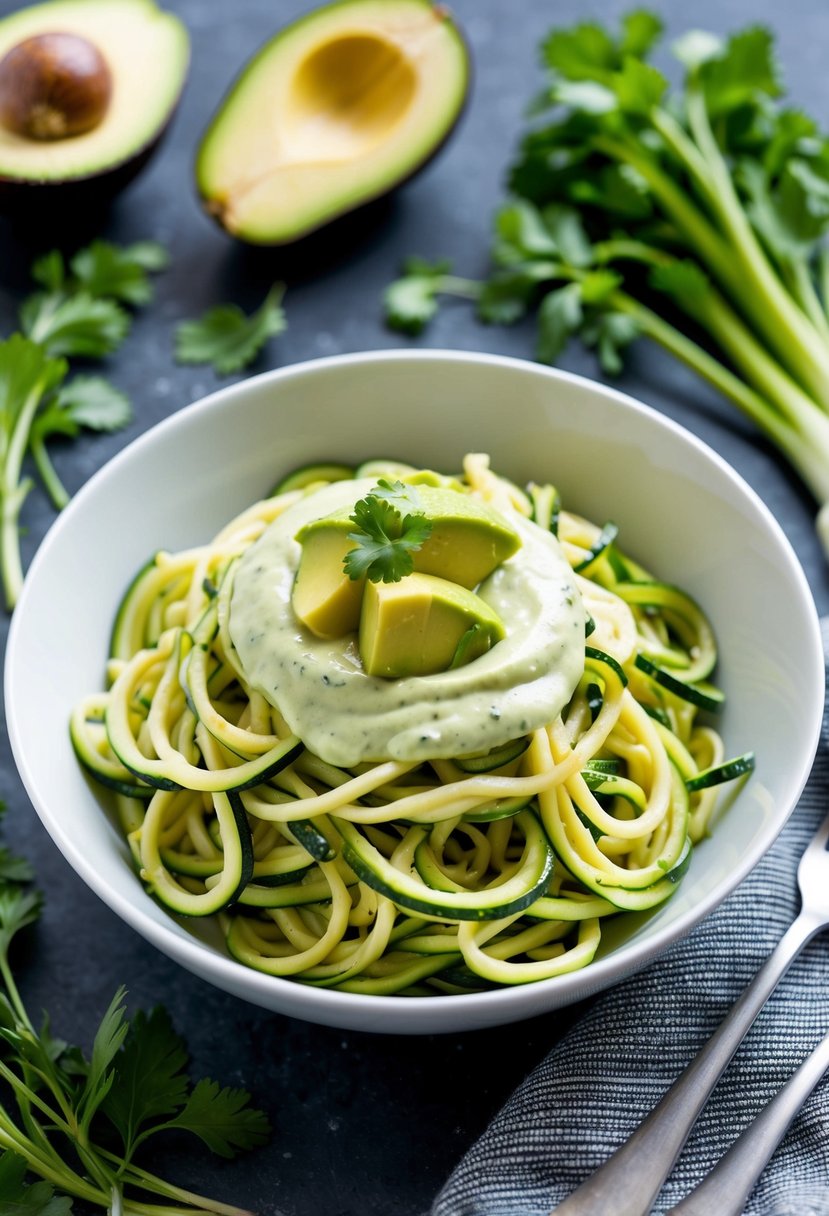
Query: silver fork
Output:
(629,1181)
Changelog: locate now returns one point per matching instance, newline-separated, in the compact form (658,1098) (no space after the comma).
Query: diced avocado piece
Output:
(336,109)
(422,625)
(468,539)
(324,598)
(87,87)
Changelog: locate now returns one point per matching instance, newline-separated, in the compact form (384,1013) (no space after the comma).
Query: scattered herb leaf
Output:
(412,300)
(226,337)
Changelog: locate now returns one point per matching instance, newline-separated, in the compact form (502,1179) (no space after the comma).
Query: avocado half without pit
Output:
(336,110)
(87,88)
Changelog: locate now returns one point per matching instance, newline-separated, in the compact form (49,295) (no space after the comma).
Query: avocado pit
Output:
(54,86)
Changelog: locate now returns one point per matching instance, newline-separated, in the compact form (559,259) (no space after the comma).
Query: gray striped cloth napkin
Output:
(608,1072)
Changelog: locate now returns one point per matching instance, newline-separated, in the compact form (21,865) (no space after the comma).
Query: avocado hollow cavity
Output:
(347,97)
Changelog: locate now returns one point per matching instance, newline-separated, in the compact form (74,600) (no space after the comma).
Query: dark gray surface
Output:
(363,1124)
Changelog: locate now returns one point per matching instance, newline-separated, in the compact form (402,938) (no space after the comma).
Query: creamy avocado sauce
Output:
(346,717)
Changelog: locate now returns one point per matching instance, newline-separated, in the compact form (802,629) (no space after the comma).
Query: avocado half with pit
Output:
(336,110)
(87,89)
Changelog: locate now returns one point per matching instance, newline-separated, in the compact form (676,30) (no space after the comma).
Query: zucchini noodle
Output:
(409,877)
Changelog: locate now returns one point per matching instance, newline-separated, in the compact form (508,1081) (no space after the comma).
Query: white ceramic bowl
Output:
(680,509)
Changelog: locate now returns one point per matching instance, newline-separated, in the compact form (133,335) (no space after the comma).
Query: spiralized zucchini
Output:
(448,876)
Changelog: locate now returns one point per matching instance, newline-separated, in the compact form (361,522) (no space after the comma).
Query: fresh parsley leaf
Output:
(585,52)
(744,70)
(49,270)
(639,87)
(641,29)
(410,302)
(385,538)
(108,1040)
(610,333)
(149,1079)
(228,339)
(75,325)
(84,401)
(14,869)
(521,230)
(119,273)
(222,1118)
(20,1199)
(507,294)
(559,315)
(398,494)
(19,907)
(684,281)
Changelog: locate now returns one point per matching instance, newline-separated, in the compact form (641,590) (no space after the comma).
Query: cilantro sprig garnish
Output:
(71,1126)
(79,310)
(390,527)
(694,214)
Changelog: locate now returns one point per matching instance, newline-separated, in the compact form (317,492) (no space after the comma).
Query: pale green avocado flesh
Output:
(337,109)
(422,625)
(147,53)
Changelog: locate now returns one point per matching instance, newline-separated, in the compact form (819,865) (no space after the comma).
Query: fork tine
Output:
(820,837)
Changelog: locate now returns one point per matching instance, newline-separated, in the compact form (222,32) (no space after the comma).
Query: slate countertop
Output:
(363,1124)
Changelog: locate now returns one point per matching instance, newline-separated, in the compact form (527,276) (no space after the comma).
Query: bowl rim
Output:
(490,1007)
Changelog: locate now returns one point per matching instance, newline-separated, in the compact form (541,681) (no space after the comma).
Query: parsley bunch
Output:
(696,216)
(79,310)
(71,1126)
(385,537)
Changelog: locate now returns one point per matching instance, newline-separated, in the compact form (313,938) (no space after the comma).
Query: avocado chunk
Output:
(468,539)
(337,109)
(422,625)
(87,88)
(324,598)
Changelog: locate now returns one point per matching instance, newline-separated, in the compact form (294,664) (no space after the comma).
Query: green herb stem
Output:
(737,340)
(807,449)
(53,484)
(453,285)
(749,278)
(802,287)
(761,293)
(823,277)
(710,246)
(50,1168)
(11,564)
(13,493)
(13,993)
(150,1182)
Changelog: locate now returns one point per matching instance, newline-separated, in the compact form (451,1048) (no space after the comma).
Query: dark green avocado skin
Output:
(23,198)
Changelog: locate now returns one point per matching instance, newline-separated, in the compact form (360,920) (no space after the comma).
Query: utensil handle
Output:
(629,1181)
(727,1188)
